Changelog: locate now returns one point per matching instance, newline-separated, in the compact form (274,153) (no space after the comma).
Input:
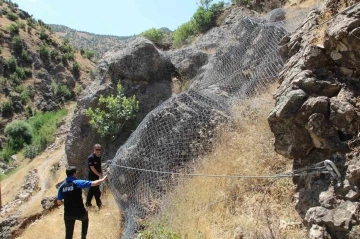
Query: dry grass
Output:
(302,3)
(105,223)
(204,207)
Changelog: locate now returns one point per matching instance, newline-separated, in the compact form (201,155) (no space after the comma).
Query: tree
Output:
(113,112)
(205,3)
(154,35)
(17,134)
(184,32)
(204,19)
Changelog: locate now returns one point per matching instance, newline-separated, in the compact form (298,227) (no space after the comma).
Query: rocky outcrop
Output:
(7,225)
(30,186)
(49,203)
(143,71)
(316,117)
(243,59)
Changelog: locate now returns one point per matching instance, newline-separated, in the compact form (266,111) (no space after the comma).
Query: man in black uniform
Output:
(94,162)
(70,194)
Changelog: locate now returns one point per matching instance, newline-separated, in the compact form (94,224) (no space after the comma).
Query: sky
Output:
(111,17)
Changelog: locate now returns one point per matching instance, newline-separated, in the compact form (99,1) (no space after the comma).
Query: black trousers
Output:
(70,223)
(94,192)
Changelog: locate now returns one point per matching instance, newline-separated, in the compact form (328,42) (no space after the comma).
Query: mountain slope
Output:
(97,43)
(38,71)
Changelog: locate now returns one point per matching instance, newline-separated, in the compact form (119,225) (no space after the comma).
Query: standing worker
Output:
(70,194)
(94,163)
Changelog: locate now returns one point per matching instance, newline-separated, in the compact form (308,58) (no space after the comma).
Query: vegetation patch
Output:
(34,134)
(113,112)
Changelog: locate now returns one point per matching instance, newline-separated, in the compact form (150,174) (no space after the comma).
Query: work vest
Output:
(73,202)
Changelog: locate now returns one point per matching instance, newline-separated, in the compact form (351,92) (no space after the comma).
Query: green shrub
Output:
(64,59)
(43,35)
(6,153)
(12,16)
(158,231)
(66,48)
(20,88)
(28,112)
(14,79)
(20,72)
(28,72)
(89,54)
(60,90)
(13,29)
(41,23)
(4,11)
(21,25)
(79,89)
(31,22)
(6,108)
(66,41)
(45,125)
(10,65)
(17,44)
(17,134)
(76,70)
(44,51)
(69,56)
(4,81)
(26,57)
(24,96)
(22,15)
(53,54)
(154,35)
(31,151)
(183,32)
(204,19)
(113,113)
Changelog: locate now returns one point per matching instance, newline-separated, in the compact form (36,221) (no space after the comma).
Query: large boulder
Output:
(143,71)
(181,130)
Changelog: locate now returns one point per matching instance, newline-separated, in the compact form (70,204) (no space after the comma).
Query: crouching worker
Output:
(70,194)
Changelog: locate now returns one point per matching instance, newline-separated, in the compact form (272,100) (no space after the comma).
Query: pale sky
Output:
(111,17)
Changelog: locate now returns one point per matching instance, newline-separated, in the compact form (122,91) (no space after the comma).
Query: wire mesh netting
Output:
(172,137)
(181,129)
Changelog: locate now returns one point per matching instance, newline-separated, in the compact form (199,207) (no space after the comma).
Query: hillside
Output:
(99,44)
(39,72)
(220,156)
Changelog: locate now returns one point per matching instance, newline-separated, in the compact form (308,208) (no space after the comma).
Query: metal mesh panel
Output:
(174,135)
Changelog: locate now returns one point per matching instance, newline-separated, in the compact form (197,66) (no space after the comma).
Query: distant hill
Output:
(97,43)
(38,70)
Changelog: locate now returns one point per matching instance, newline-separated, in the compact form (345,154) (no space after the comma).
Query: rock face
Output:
(231,61)
(316,117)
(143,71)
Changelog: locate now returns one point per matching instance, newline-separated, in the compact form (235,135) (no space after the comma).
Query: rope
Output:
(299,172)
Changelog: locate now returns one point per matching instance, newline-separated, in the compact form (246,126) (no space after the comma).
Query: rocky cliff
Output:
(229,62)
(316,116)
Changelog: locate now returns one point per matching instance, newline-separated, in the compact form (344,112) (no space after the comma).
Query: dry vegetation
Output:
(206,207)
(105,223)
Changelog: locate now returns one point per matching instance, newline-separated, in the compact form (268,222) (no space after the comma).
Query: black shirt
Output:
(95,161)
(72,195)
